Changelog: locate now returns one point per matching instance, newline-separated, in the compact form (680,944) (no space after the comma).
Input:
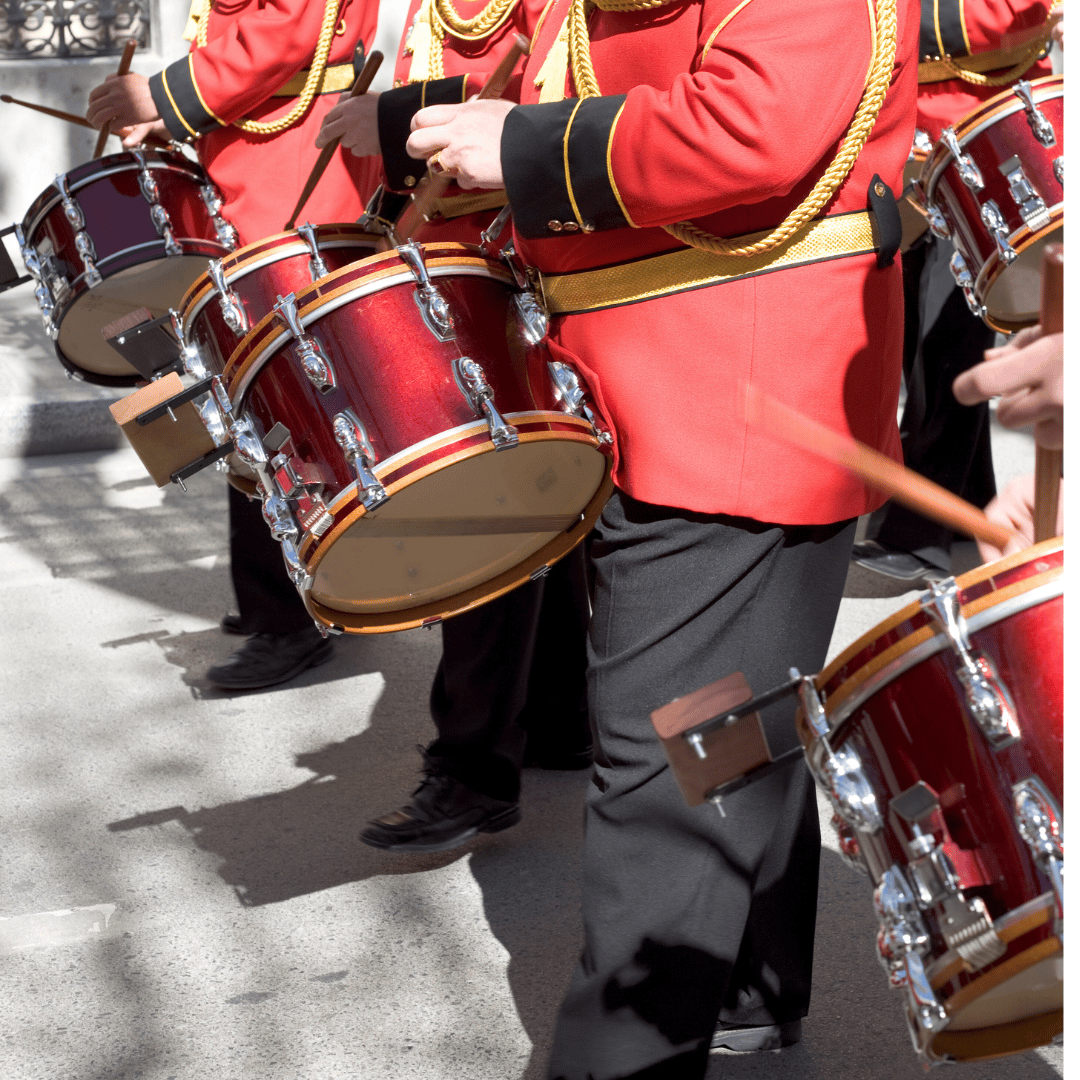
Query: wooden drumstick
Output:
(122,69)
(363,81)
(71,118)
(1048,462)
(904,485)
(434,185)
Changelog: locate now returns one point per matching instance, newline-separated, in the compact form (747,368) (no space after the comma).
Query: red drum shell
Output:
(991,135)
(464,523)
(259,274)
(913,726)
(130,255)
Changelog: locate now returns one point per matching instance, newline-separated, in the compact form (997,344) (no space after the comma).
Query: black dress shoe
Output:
(231,624)
(268,659)
(443,814)
(748,1038)
(895,564)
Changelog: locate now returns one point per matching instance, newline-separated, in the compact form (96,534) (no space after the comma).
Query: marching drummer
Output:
(509,691)
(647,134)
(250,96)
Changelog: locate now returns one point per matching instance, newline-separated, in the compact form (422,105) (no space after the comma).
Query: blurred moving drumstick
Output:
(363,81)
(904,485)
(1048,462)
(433,185)
(122,69)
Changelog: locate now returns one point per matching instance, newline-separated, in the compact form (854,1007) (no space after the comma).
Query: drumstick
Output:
(904,485)
(363,81)
(434,185)
(71,118)
(122,69)
(1048,462)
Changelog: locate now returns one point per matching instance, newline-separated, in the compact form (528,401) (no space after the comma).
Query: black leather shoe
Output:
(748,1038)
(895,564)
(231,624)
(443,814)
(268,659)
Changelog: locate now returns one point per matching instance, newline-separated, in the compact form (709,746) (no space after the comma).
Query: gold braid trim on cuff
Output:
(311,85)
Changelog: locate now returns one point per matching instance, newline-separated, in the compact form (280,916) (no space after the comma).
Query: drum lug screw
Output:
(1041,128)
(316,366)
(994,221)
(350,435)
(232,311)
(968,170)
(316,267)
(1059,171)
(472,383)
(1039,824)
(434,309)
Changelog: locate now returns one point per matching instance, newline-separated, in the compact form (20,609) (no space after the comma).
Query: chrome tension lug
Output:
(473,384)
(351,436)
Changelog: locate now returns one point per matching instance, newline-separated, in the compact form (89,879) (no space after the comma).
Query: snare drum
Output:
(994,185)
(417,451)
(121,232)
(940,745)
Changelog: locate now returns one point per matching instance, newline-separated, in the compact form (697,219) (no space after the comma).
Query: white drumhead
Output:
(1034,991)
(157,285)
(458,528)
(1014,297)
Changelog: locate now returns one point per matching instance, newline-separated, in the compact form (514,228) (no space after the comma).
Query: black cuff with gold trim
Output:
(947,18)
(178,102)
(555,166)
(395,112)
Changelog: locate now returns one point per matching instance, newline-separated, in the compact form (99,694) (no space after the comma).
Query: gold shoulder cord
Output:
(883,33)
(438,19)
(311,85)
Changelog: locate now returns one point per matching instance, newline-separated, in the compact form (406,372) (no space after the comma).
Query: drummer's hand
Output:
(1015,509)
(355,122)
(122,101)
(468,138)
(1028,373)
(139,133)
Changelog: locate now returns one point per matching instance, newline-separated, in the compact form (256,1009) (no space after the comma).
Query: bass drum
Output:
(995,186)
(423,455)
(943,758)
(121,232)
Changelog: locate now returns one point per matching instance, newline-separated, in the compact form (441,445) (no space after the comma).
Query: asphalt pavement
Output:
(182,894)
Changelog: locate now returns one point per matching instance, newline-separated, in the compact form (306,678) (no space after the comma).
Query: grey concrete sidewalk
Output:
(181,890)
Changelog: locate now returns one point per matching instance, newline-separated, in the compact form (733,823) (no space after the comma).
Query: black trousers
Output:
(689,917)
(512,674)
(943,440)
(267,599)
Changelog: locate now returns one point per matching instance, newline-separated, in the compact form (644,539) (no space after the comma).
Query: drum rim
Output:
(993,268)
(29,228)
(920,644)
(202,289)
(1006,103)
(245,364)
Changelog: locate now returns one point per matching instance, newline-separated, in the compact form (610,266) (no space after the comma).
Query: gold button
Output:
(399,82)
(410,181)
(879,189)
(555,226)
(570,226)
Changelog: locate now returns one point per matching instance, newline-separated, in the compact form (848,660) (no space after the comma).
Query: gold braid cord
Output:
(438,19)
(1032,54)
(311,85)
(877,84)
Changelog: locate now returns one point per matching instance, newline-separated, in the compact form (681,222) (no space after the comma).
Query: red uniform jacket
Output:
(960,28)
(253,48)
(466,65)
(731,135)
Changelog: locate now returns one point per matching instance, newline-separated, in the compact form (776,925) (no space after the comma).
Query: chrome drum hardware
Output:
(568,387)
(1039,825)
(232,310)
(1041,128)
(1031,205)
(83,244)
(473,384)
(316,366)
(999,232)
(316,266)
(158,214)
(962,276)
(987,698)
(434,309)
(351,436)
(226,231)
(968,170)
